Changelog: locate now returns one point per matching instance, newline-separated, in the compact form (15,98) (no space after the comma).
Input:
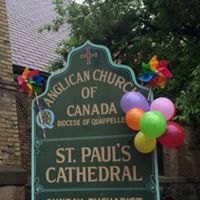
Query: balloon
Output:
(133,118)
(173,136)
(153,124)
(165,106)
(144,144)
(134,99)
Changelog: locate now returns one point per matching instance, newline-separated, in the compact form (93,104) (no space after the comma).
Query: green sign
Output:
(81,147)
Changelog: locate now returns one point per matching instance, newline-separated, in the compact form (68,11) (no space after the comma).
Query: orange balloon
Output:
(133,118)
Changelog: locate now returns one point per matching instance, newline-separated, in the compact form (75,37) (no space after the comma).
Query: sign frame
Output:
(36,187)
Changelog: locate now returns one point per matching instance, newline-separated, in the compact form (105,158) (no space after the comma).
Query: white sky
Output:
(79,1)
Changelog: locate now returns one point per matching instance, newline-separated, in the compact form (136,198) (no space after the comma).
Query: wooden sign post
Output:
(87,152)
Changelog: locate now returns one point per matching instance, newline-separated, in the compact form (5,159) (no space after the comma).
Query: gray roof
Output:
(28,47)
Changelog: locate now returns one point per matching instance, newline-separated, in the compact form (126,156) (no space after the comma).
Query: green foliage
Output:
(55,65)
(134,31)
(188,102)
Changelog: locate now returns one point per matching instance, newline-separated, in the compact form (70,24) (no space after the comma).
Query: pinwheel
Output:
(159,80)
(162,69)
(148,74)
(30,81)
(155,72)
(154,63)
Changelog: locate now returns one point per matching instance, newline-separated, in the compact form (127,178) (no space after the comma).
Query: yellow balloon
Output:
(144,144)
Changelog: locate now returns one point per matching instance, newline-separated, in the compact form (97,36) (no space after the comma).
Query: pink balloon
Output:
(173,136)
(165,106)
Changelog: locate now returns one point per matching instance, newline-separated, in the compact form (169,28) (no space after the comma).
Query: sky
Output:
(79,1)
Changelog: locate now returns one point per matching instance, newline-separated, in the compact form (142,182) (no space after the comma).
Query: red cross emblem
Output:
(88,55)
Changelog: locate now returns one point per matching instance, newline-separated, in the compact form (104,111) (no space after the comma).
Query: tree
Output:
(134,31)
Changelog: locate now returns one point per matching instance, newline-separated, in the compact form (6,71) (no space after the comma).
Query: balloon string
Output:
(134,89)
(149,95)
(40,115)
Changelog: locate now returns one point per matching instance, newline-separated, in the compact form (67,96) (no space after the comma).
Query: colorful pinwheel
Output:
(155,72)
(30,81)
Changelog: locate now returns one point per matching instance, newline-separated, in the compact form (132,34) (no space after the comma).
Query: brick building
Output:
(22,46)
(30,49)
(11,172)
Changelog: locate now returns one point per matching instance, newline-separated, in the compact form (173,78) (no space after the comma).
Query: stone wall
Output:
(177,188)
(10,152)
(185,160)
(181,179)
(9,133)
(11,192)
(24,122)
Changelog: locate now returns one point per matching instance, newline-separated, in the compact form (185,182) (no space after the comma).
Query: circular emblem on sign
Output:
(45,119)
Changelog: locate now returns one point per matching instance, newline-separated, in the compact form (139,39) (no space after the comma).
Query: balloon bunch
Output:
(155,72)
(152,121)
(30,81)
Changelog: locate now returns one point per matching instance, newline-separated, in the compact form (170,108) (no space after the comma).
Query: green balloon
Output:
(153,124)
